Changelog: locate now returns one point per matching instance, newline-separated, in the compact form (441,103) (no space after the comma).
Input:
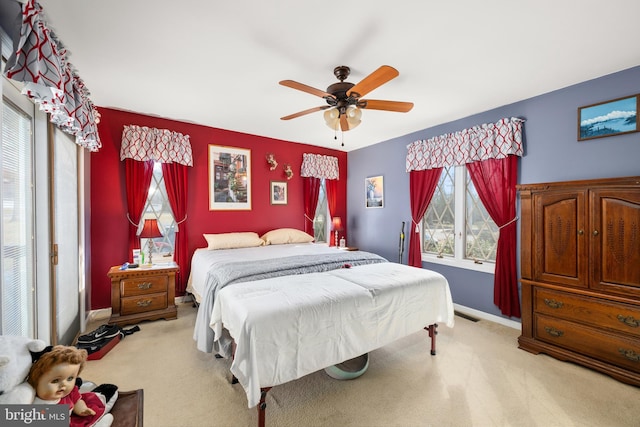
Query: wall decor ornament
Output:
(271,159)
(374,192)
(229,178)
(279,193)
(287,171)
(616,117)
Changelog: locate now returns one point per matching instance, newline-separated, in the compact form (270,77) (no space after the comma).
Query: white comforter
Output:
(291,326)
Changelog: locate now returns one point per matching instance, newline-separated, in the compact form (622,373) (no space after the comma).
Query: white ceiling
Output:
(218,63)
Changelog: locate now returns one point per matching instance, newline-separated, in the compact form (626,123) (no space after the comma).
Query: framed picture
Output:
(278,192)
(609,118)
(374,192)
(229,178)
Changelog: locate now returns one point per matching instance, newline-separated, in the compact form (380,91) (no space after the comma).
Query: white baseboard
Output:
(486,316)
(100,314)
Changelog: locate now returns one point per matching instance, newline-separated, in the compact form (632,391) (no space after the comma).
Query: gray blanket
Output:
(246,271)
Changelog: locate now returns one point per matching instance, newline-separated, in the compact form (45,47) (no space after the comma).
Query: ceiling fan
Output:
(344,99)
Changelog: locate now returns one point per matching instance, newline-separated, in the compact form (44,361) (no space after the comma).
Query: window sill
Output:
(485,267)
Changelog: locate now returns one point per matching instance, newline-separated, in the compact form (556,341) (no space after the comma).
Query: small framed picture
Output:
(374,192)
(279,193)
(609,118)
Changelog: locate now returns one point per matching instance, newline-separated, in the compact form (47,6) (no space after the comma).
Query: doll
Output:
(53,376)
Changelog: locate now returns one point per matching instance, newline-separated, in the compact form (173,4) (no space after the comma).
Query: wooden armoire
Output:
(580,268)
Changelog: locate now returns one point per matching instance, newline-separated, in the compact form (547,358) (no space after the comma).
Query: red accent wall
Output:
(108,199)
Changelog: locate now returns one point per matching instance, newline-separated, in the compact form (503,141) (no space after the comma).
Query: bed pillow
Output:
(282,236)
(246,239)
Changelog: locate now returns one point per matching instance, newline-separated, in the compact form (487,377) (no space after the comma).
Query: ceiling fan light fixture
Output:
(332,118)
(354,116)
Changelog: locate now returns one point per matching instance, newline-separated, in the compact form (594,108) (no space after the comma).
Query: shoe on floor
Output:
(102,333)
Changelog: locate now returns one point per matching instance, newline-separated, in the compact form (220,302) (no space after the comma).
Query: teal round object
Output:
(350,369)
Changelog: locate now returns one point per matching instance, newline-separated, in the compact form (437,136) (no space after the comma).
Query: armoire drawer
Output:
(609,347)
(143,285)
(588,311)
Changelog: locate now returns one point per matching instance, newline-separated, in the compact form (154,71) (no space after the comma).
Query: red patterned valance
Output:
(40,61)
(486,141)
(319,166)
(162,145)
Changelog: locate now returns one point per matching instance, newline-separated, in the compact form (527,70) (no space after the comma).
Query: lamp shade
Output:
(332,118)
(150,229)
(354,114)
(337,223)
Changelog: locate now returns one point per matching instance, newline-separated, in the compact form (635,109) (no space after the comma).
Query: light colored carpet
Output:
(478,378)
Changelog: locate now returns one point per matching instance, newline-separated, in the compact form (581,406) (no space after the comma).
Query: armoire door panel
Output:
(615,240)
(560,238)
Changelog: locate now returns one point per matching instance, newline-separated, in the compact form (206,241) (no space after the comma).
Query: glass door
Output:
(65,235)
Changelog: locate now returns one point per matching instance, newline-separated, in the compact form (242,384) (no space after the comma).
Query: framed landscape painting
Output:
(229,178)
(609,118)
(374,192)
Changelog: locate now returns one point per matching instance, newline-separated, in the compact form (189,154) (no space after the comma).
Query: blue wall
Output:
(552,153)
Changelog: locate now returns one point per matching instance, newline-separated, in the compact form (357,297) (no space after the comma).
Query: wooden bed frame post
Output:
(262,406)
(433,331)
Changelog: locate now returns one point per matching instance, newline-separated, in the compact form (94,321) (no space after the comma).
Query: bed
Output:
(287,327)
(212,270)
(294,309)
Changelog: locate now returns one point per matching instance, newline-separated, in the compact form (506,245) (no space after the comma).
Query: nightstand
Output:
(143,293)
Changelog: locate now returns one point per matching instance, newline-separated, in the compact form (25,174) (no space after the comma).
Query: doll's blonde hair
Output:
(58,354)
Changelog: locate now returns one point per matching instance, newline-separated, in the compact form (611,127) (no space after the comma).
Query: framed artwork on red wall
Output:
(229,178)
(278,192)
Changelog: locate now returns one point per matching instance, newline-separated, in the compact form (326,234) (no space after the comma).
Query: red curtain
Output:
(332,201)
(138,177)
(175,181)
(311,190)
(495,181)
(422,185)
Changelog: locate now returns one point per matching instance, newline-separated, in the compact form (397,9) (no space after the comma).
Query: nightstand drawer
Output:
(143,285)
(143,304)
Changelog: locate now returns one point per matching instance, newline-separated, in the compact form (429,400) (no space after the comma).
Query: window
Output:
(457,229)
(320,220)
(158,207)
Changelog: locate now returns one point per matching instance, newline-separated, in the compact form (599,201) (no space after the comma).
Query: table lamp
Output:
(337,226)
(150,231)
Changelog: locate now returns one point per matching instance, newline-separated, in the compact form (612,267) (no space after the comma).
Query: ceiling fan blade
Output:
(375,104)
(374,80)
(302,113)
(344,124)
(305,88)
